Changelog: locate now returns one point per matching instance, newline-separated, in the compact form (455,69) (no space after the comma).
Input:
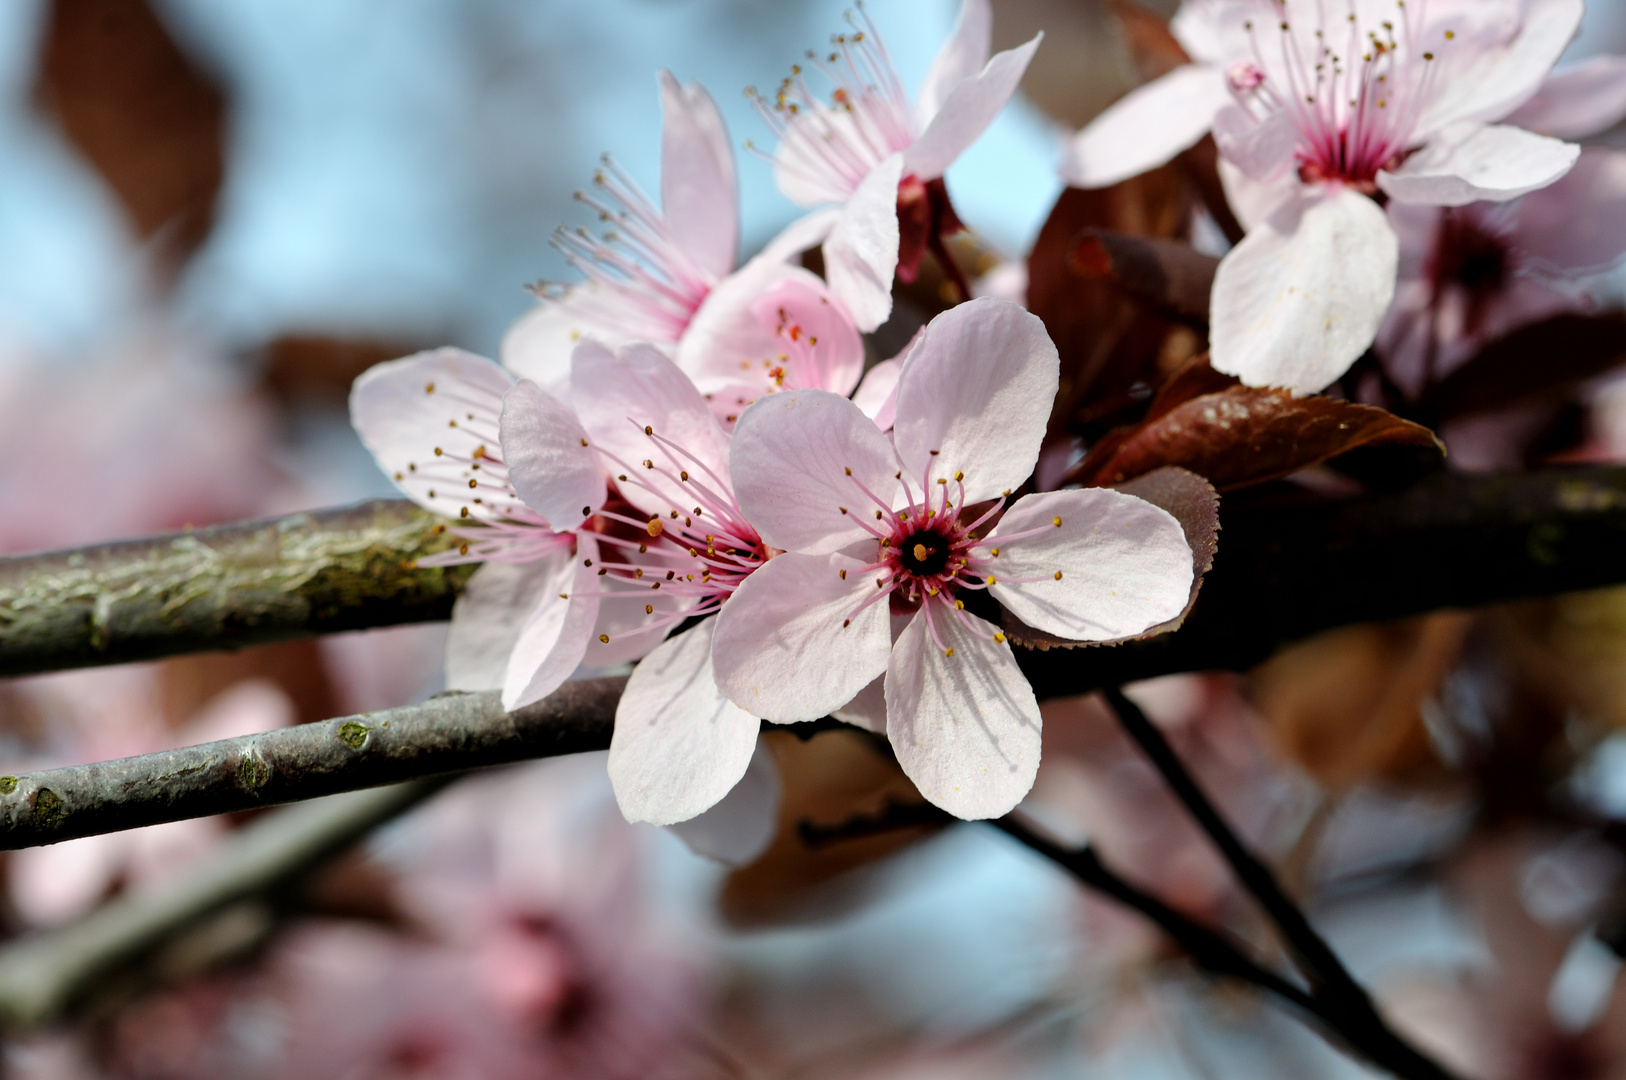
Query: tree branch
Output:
(449,733)
(1285,569)
(224,587)
(42,977)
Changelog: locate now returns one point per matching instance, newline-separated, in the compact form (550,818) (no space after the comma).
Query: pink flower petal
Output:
(974,397)
(1578,100)
(798,458)
(489,614)
(965,728)
(861,254)
(619,394)
(549,462)
(791,642)
(961,57)
(698,193)
(633,632)
(756,327)
(1578,223)
(1253,201)
(738,829)
(401,410)
(1303,294)
(554,638)
(867,709)
(538,345)
(877,395)
(808,231)
(1146,127)
(1123,564)
(1471,162)
(679,746)
(967,111)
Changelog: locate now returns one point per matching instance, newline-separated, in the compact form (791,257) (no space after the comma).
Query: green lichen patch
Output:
(8,784)
(354,734)
(47,808)
(252,772)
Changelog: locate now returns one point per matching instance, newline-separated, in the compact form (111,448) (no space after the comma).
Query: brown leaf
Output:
(1534,361)
(1246,435)
(1195,505)
(827,780)
(1169,277)
(149,120)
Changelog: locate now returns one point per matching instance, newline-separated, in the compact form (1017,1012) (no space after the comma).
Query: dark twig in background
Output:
(42,977)
(1333,991)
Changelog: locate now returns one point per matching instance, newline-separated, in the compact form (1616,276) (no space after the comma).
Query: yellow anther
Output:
(959,605)
(920,552)
(648,430)
(948,652)
(959,476)
(999,639)
(649,609)
(1056,522)
(654,527)
(605,638)
(1058,575)
(844,575)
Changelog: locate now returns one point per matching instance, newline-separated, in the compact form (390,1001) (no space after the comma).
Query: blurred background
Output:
(214,214)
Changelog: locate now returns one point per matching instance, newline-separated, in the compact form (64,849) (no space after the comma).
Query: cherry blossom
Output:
(432,421)
(675,547)
(918,526)
(1471,274)
(666,276)
(881,159)
(1325,112)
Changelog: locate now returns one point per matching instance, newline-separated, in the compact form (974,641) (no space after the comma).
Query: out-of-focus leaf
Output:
(1347,705)
(1533,362)
(827,780)
(1106,342)
(148,119)
(1246,435)
(1195,505)
(1152,49)
(1169,277)
(321,367)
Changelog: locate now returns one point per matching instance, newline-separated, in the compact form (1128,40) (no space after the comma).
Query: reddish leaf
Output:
(1169,277)
(1195,379)
(149,120)
(1195,505)
(1245,435)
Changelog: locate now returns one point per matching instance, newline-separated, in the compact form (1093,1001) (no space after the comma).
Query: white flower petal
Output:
(679,746)
(1471,162)
(549,462)
(974,396)
(1146,127)
(1483,84)
(791,642)
(402,408)
(1262,150)
(967,111)
(877,395)
(807,231)
(1124,564)
(488,615)
(961,57)
(619,394)
(1301,297)
(1577,100)
(1253,201)
(554,637)
(539,344)
(699,199)
(867,709)
(791,458)
(738,829)
(861,255)
(965,728)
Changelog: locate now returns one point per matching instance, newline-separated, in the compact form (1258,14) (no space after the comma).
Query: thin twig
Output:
(1336,994)
(449,733)
(43,977)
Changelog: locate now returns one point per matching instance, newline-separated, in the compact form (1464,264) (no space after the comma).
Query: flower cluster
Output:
(675,464)
(687,463)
